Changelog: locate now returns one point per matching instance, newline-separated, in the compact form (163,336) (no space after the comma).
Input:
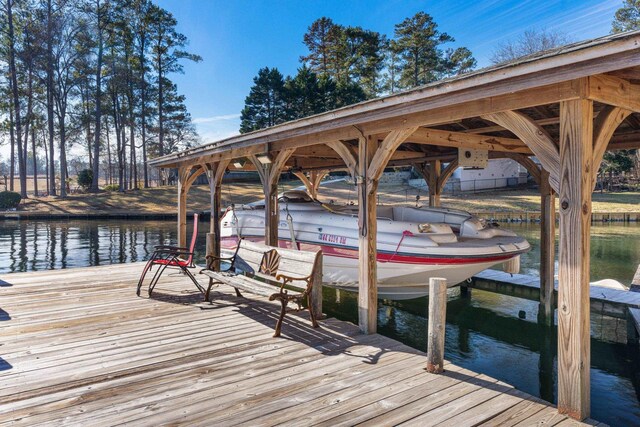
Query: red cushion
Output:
(172,261)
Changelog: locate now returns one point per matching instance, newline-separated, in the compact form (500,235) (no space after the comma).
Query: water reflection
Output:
(48,245)
(615,250)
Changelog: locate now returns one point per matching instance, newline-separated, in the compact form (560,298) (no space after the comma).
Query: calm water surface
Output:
(485,332)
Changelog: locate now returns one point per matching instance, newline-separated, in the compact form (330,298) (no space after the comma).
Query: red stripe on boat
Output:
(351,253)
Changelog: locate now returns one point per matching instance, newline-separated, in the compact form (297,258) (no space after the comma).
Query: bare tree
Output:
(531,41)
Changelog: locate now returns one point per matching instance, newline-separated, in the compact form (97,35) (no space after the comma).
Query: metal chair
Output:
(172,257)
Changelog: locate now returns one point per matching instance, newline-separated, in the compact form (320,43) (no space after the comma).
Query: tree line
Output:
(93,76)
(345,65)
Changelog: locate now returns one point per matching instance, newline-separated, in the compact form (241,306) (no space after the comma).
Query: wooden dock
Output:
(607,301)
(77,347)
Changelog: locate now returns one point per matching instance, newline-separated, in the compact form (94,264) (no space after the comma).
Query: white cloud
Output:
(213,119)
(215,128)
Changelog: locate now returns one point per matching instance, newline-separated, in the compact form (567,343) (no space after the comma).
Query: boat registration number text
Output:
(332,238)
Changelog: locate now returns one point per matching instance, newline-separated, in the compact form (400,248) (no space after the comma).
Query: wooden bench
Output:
(266,271)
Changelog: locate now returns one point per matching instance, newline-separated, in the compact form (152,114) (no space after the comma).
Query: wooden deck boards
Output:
(77,347)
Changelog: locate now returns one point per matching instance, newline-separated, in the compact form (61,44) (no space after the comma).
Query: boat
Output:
(414,243)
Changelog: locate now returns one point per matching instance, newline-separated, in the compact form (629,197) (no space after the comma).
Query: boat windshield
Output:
(295,196)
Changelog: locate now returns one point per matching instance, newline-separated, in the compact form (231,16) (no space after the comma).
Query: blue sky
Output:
(236,38)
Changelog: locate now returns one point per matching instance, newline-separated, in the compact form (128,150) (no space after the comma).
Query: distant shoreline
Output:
(510,205)
(503,217)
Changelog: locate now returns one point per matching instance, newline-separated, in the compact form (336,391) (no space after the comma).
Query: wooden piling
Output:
(437,319)
(316,291)
(547,250)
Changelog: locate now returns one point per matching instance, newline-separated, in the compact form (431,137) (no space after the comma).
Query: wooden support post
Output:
(211,250)
(437,324)
(183,174)
(576,173)
(214,174)
(269,175)
(547,249)
(434,190)
(316,291)
(367,224)
(271,214)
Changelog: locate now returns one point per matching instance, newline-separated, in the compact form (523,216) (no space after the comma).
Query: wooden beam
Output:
(305,180)
(278,165)
(318,150)
(626,141)
(347,156)
(535,137)
(614,91)
(195,172)
(311,182)
(331,167)
(384,153)
(445,110)
(526,162)
(605,125)
(272,213)
(446,174)
(631,73)
(576,174)
(308,164)
(316,178)
(547,249)
(367,239)
(263,170)
(491,129)
(445,138)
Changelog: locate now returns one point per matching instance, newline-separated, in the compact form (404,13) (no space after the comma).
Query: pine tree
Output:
(303,94)
(266,104)
(167,46)
(346,54)
(364,58)
(417,41)
(180,131)
(627,18)
(320,39)
(458,61)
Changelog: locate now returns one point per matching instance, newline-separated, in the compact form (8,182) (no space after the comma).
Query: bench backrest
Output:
(254,257)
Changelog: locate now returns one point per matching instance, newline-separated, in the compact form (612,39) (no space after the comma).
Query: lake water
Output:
(485,332)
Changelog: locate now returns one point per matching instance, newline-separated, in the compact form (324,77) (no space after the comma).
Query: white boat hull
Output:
(407,255)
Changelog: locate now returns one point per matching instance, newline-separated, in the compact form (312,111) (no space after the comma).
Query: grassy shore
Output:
(163,200)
